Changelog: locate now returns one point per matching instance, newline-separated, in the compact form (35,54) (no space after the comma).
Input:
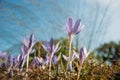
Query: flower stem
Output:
(70,44)
(80,67)
(27,65)
(50,69)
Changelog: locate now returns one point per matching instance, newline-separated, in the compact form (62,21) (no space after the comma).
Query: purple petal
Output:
(56,49)
(25,42)
(15,61)
(54,59)
(76,26)
(85,52)
(22,62)
(36,62)
(51,44)
(46,44)
(18,57)
(21,57)
(23,50)
(3,54)
(46,59)
(79,30)
(32,37)
(9,60)
(70,22)
(33,44)
(32,51)
(69,25)
(82,55)
(31,40)
(46,47)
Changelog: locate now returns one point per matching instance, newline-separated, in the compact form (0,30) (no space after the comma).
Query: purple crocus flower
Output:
(49,47)
(15,61)
(38,61)
(10,63)
(82,54)
(54,59)
(72,57)
(74,30)
(10,60)
(21,58)
(47,59)
(3,54)
(28,45)
(26,49)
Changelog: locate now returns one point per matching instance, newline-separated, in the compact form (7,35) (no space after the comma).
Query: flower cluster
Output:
(51,58)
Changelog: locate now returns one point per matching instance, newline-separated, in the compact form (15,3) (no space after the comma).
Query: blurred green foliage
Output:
(109,52)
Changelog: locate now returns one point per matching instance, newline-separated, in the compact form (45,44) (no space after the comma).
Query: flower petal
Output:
(31,40)
(32,51)
(80,29)
(25,42)
(69,25)
(54,59)
(23,50)
(36,62)
(76,26)
(3,54)
(51,44)
(57,48)
(85,52)
(46,61)
(46,47)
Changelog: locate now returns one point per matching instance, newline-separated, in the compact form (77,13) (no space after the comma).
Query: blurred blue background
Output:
(47,18)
